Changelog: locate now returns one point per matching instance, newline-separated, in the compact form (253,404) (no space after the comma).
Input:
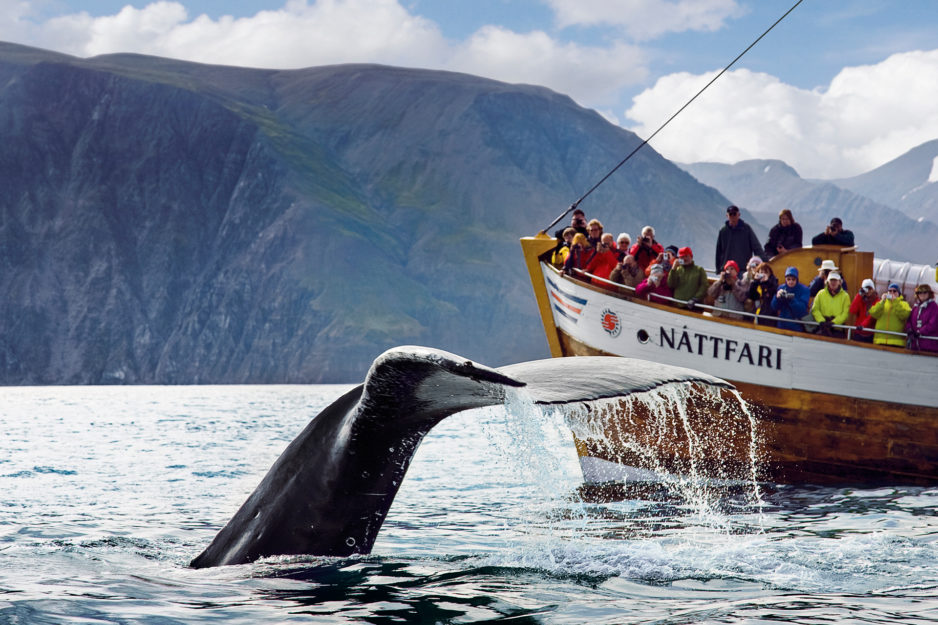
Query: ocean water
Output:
(109,492)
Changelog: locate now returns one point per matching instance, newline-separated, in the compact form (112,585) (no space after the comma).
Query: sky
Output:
(838,88)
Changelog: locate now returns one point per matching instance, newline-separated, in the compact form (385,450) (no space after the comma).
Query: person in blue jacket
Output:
(791,300)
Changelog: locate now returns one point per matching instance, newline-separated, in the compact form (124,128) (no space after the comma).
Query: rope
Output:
(668,121)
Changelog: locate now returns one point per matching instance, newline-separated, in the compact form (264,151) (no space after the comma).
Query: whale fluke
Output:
(330,490)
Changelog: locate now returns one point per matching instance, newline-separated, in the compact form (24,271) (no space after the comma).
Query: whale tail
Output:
(330,490)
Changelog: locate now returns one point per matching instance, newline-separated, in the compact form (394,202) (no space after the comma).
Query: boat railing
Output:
(727,313)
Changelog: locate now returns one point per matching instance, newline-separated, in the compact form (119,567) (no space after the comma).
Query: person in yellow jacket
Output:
(890,313)
(831,306)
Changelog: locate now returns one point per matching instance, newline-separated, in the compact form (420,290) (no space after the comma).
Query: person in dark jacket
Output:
(736,241)
(761,291)
(791,301)
(820,280)
(834,234)
(784,236)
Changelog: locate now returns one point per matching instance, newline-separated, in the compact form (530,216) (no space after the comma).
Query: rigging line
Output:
(668,121)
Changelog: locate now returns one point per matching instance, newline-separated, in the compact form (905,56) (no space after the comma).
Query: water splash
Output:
(695,447)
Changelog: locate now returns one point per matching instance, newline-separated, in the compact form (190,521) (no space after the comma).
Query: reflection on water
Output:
(109,492)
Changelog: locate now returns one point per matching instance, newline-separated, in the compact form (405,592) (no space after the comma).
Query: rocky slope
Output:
(169,222)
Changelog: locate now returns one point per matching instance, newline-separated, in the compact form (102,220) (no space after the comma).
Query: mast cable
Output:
(668,121)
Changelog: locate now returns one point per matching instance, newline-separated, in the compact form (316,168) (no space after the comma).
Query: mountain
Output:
(909,183)
(171,222)
(768,186)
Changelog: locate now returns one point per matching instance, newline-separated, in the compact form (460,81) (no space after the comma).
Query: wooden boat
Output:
(825,410)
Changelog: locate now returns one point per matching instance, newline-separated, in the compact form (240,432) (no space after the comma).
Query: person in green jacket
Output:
(831,306)
(687,280)
(890,312)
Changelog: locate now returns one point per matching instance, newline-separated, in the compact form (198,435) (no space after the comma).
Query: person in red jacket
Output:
(646,249)
(860,309)
(605,259)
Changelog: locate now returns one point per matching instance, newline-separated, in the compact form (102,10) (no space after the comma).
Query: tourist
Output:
(666,259)
(577,222)
(654,284)
(627,272)
(725,297)
(623,243)
(687,280)
(860,311)
(791,301)
(784,236)
(834,234)
(563,250)
(891,313)
(594,230)
(736,240)
(646,250)
(820,279)
(605,259)
(762,289)
(745,279)
(923,320)
(580,254)
(831,306)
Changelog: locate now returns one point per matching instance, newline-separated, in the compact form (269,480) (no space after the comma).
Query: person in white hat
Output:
(860,311)
(821,278)
(831,306)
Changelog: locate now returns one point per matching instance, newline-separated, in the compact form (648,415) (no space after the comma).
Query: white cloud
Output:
(643,20)
(866,117)
(297,35)
(592,75)
(306,33)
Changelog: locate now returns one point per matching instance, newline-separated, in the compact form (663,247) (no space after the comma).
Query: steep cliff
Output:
(168,222)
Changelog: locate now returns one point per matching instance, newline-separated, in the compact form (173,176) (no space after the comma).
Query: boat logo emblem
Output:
(610,321)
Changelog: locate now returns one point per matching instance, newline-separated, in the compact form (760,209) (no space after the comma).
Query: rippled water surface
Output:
(109,492)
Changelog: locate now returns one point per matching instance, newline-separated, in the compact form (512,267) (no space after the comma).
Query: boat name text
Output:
(727,349)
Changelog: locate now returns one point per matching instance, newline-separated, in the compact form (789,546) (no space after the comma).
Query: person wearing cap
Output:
(831,306)
(725,297)
(666,259)
(655,284)
(923,321)
(785,235)
(791,301)
(820,279)
(834,234)
(646,249)
(736,240)
(860,311)
(891,313)
(687,280)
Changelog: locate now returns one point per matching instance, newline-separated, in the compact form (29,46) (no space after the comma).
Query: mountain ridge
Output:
(169,222)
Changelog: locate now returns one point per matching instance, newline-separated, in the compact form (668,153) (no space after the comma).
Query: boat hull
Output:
(825,411)
(802,437)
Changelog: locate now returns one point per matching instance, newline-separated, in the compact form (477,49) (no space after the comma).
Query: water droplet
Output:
(350,541)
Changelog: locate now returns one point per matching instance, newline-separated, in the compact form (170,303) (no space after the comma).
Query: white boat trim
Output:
(739,352)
